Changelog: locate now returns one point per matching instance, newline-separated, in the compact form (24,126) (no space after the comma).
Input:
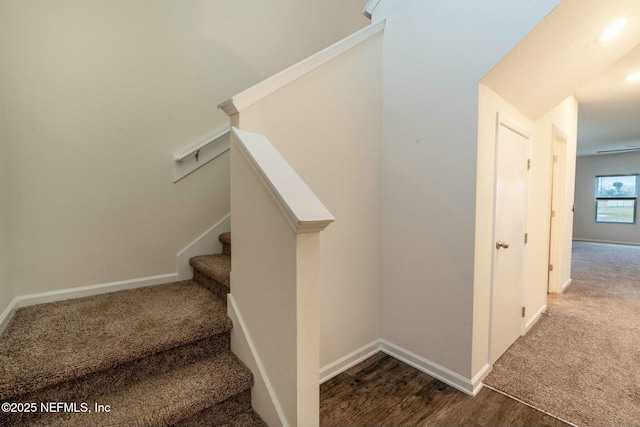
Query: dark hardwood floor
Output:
(382,391)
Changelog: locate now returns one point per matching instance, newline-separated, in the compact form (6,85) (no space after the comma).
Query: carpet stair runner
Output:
(152,356)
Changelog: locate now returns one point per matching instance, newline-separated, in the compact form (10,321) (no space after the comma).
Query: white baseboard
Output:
(79,292)
(477,380)
(339,366)
(263,397)
(206,244)
(8,313)
(614,242)
(566,284)
(534,319)
(455,380)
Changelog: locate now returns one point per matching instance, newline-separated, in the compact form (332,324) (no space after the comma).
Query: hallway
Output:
(580,361)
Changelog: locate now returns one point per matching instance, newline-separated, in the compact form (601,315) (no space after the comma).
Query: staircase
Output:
(154,356)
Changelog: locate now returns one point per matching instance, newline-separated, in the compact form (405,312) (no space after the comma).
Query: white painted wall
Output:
(435,55)
(585,226)
(100,94)
(327,125)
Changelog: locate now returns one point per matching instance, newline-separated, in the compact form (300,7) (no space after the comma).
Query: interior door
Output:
(555,223)
(509,237)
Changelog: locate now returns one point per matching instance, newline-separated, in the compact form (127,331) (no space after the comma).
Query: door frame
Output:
(502,120)
(557,194)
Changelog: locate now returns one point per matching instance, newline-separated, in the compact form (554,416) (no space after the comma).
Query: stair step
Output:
(220,385)
(225,239)
(236,414)
(213,272)
(108,339)
(155,356)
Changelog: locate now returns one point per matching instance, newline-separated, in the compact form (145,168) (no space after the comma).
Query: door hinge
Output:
(553,214)
(523,311)
(526,238)
(550,267)
(555,159)
(528,164)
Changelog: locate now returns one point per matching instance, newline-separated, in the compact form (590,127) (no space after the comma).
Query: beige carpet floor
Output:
(581,361)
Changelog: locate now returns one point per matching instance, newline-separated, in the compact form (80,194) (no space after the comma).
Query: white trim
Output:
(8,313)
(207,148)
(369,8)
(300,206)
(455,380)
(80,292)
(207,243)
(266,87)
(613,242)
(566,284)
(263,384)
(516,127)
(534,319)
(559,133)
(477,380)
(339,366)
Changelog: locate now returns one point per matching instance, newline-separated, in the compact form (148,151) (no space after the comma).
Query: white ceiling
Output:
(609,109)
(562,56)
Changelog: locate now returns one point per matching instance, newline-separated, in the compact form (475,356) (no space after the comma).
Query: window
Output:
(616,198)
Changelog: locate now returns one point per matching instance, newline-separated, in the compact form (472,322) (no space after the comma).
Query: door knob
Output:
(500,244)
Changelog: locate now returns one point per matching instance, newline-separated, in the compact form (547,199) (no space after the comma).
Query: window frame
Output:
(607,198)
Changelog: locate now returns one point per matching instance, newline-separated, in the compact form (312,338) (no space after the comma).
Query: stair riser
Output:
(86,388)
(220,414)
(225,239)
(218,289)
(226,249)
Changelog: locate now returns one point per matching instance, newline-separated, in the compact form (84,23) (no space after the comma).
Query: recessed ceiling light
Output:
(613,30)
(633,77)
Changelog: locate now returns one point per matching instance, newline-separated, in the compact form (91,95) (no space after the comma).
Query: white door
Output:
(509,238)
(555,223)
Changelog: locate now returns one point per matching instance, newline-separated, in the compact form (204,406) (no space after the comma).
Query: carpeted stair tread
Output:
(225,238)
(164,400)
(214,267)
(52,343)
(247,419)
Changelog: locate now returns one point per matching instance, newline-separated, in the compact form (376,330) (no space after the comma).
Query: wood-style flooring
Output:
(382,391)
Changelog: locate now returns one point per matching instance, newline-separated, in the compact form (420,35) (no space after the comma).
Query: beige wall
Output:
(100,94)
(6,290)
(587,169)
(327,126)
